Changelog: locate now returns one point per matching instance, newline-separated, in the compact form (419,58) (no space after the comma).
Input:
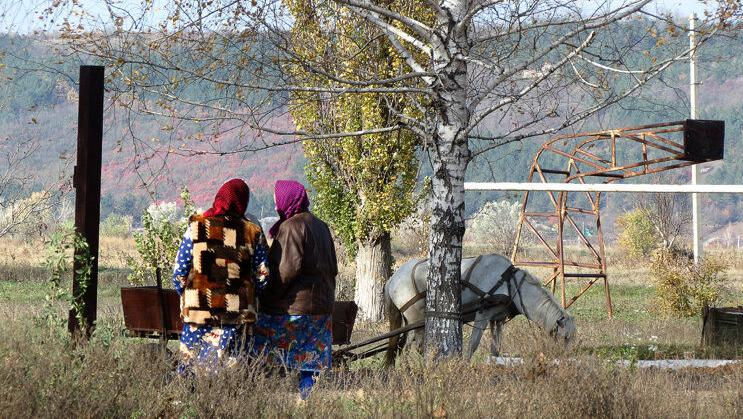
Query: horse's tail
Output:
(396,343)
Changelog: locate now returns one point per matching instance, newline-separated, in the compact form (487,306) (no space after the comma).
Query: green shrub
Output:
(157,243)
(637,235)
(65,250)
(685,288)
(116,225)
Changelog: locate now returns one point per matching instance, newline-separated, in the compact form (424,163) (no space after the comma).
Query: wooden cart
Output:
(154,312)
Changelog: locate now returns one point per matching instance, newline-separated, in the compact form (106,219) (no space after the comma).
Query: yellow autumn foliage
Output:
(365,184)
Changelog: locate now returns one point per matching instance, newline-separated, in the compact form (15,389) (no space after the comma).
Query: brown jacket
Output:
(303,267)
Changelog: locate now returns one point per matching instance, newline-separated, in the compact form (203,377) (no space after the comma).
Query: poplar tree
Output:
(365,186)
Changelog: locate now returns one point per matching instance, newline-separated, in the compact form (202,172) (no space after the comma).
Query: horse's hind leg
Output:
(397,342)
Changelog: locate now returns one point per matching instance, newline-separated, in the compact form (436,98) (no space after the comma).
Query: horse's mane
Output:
(549,308)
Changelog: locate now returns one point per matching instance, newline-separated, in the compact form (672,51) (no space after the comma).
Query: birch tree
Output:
(480,73)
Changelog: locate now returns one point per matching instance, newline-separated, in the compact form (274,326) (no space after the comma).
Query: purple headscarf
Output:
(291,199)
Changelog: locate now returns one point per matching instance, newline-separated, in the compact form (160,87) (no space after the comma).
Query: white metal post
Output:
(695,170)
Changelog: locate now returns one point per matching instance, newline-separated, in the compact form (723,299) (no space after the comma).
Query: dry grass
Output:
(46,376)
(16,252)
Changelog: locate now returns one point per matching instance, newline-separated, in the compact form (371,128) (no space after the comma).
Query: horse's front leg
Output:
(496,332)
(481,322)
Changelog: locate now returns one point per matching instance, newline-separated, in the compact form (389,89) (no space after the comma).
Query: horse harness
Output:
(419,295)
(486,299)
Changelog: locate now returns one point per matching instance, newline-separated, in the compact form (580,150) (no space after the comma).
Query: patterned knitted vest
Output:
(220,289)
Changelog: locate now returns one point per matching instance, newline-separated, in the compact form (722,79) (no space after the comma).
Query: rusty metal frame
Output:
(609,155)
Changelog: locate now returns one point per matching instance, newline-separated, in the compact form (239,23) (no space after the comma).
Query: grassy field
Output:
(46,375)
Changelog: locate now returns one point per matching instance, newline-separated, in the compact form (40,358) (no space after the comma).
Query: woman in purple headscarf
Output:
(294,324)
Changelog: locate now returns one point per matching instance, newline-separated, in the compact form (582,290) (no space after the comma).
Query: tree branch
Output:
(556,44)
(482,115)
(414,25)
(387,28)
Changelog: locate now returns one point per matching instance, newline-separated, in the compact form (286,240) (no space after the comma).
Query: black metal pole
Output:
(87,182)
(164,324)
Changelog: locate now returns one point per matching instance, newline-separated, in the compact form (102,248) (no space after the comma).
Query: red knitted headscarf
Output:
(232,198)
(291,199)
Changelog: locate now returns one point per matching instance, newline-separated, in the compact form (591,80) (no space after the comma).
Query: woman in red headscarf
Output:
(294,322)
(221,260)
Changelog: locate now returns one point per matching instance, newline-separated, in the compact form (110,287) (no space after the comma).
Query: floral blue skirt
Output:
(297,342)
(206,348)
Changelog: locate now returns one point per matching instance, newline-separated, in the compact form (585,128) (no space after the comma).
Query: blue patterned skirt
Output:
(302,342)
(207,348)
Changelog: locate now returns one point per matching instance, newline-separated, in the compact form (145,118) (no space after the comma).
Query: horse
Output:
(488,281)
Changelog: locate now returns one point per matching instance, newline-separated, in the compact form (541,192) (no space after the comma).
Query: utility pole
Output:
(695,170)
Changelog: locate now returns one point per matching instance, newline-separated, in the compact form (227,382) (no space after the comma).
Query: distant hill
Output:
(129,184)
(42,104)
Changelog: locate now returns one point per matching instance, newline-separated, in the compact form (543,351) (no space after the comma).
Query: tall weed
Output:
(685,288)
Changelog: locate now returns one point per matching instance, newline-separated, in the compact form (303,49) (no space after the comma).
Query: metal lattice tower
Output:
(556,221)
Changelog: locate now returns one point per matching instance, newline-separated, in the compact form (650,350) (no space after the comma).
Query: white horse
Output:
(511,292)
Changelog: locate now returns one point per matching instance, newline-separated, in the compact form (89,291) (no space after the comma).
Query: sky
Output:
(21,16)
(681,7)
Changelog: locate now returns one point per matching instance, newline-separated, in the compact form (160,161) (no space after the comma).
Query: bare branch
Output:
(511,136)
(483,114)
(302,136)
(586,26)
(390,29)
(419,28)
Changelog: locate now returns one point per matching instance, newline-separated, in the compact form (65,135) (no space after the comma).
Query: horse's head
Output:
(564,329)
(539,305)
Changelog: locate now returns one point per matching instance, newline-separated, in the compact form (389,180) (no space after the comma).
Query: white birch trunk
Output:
(450,156)
(373,269)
